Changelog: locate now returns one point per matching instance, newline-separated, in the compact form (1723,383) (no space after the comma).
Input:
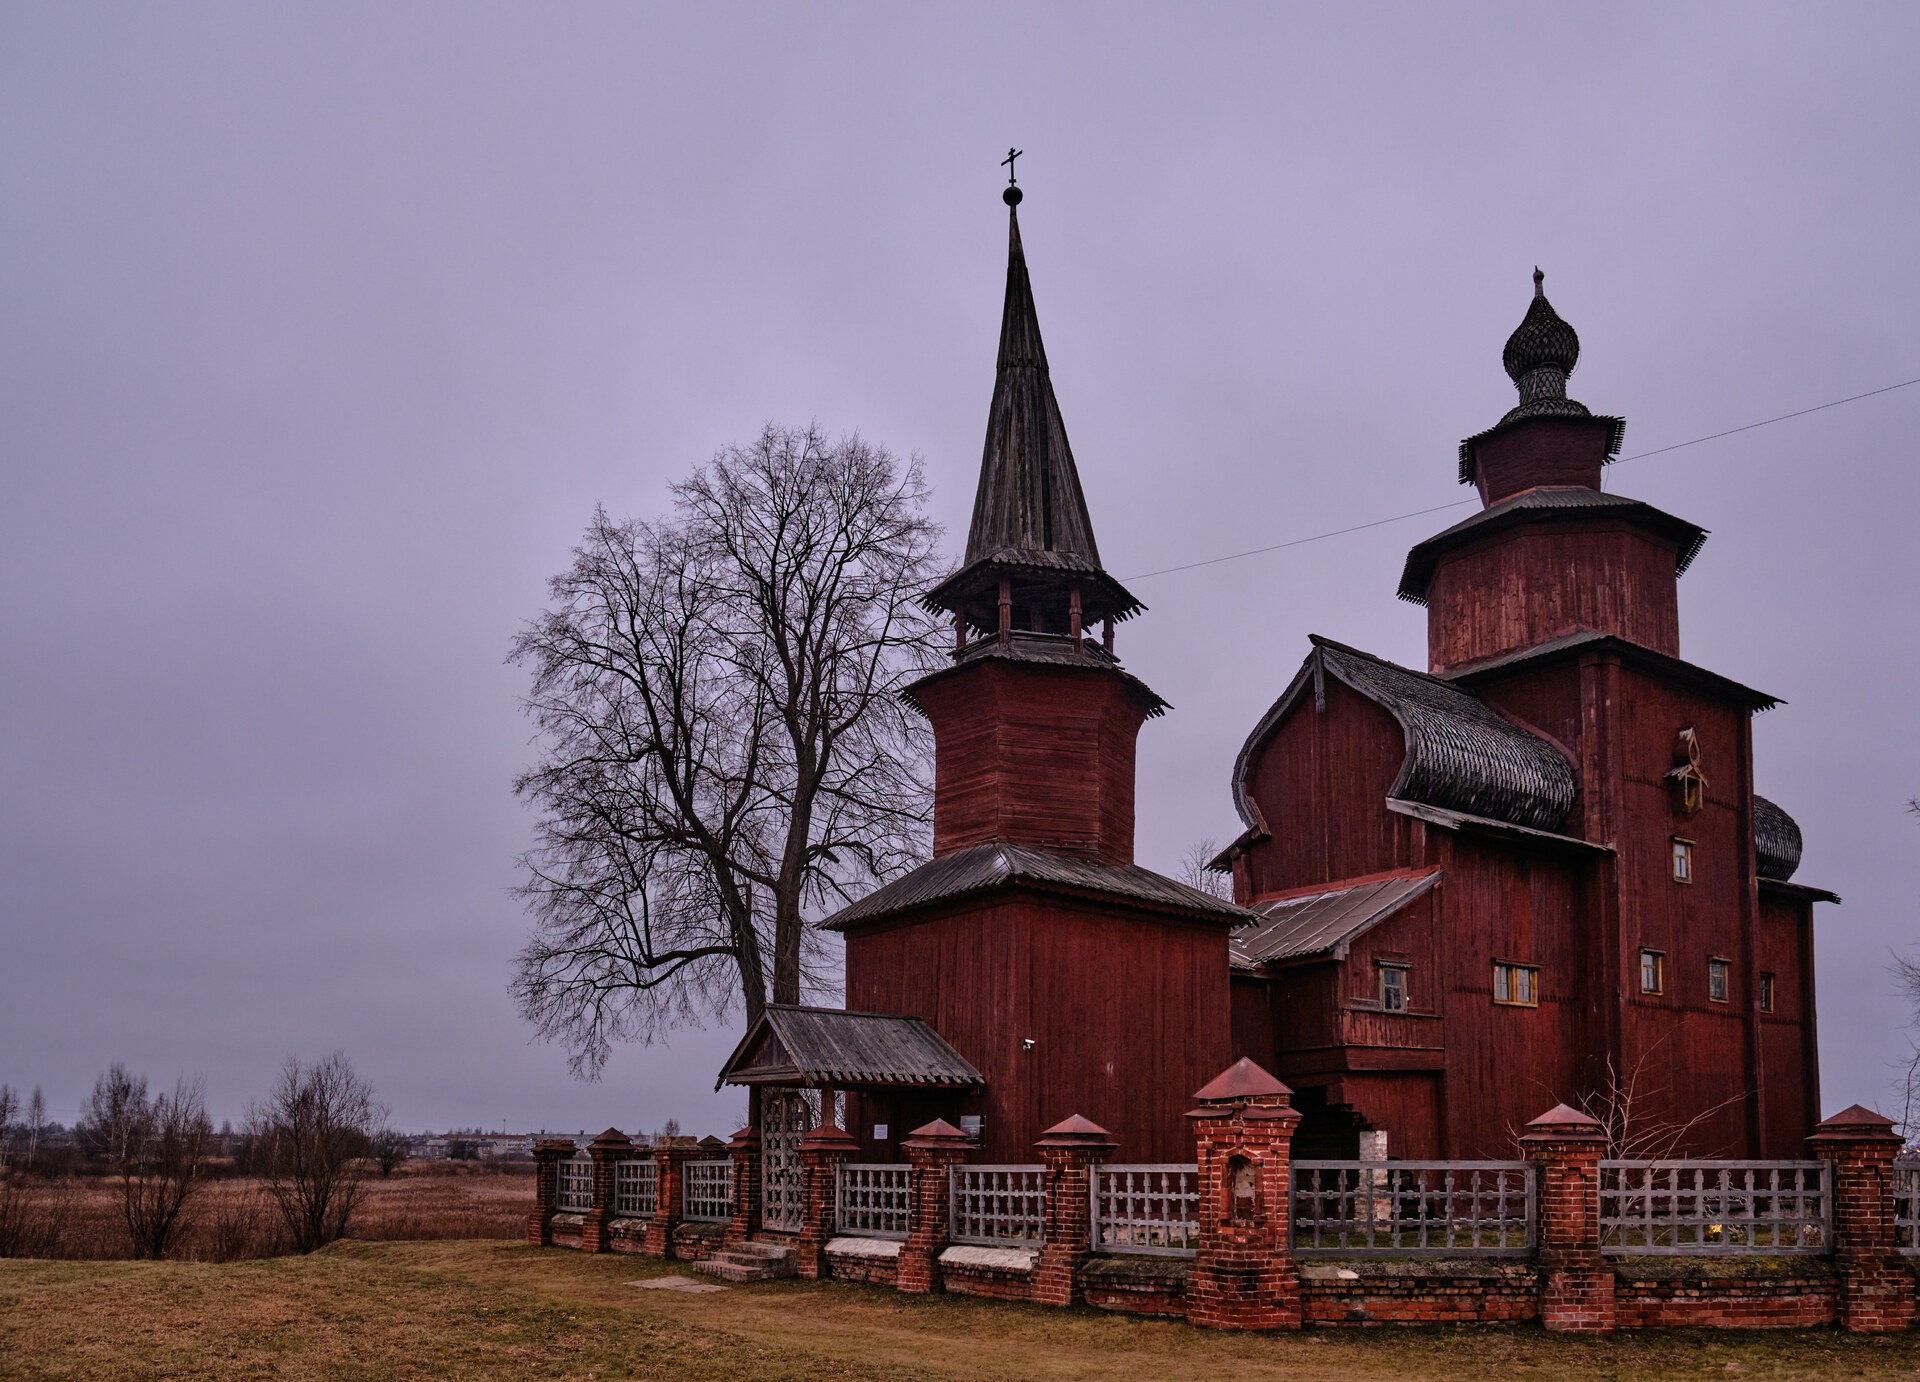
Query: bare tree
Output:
(1906,969)
(310,1136)
(9,1106)
(723,745)
(157,1147)
(1195,873)
(33,1130)
(388,1149)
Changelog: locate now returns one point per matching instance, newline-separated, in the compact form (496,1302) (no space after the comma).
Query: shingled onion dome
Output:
(1540,354)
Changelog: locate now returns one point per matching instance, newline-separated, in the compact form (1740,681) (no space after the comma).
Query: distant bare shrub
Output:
(33,1216)
(241,1227)
(310,1138)
(156,1147)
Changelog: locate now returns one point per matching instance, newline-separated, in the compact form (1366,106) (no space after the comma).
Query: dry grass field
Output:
(364,1310)
(231,1219)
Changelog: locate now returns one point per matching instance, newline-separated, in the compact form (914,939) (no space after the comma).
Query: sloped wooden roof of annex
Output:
(1323,923)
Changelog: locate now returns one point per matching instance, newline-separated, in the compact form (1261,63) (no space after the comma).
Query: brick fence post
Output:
(1243,1274)
(548,1153)
(609,1147)
(1070,1149)
(670,1156)
(1876,1285)
(745,1151)
(1576,1284)
(821,1153)
(931,1150)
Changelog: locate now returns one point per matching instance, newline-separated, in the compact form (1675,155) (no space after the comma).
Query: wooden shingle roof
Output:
(791,1045)
(1460,755)
(1776,841)
(983,868)
(1322,923)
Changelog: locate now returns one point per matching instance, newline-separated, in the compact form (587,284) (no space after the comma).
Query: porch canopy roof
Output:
(819,1048)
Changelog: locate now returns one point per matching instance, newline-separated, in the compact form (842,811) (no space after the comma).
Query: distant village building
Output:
(1534,872)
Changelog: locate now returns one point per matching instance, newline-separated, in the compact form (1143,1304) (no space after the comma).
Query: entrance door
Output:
(786,1116)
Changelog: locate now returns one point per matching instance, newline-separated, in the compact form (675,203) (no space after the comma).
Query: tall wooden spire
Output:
(1030,529)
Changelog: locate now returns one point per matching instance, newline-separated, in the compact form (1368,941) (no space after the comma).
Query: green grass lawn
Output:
(488,1309)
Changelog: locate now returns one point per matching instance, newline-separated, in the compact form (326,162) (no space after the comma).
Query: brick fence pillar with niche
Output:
(745,1151)
(548,1153)
(1243,1274)
(670,1157)
(1576,1284)
(822,1152)
(606,1149)
(931,1150)
(1070,1149)
(1876,1284)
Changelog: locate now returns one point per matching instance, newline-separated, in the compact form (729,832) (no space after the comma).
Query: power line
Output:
(1440,508)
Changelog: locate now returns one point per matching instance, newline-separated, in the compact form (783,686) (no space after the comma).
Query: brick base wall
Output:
(1137,1285)
(874,1271)
(1764,1293)
(1383,1292)
(698,1242)
(999,1283)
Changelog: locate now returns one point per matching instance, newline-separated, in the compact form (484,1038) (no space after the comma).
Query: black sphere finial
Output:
(1011,196)
(1539,282)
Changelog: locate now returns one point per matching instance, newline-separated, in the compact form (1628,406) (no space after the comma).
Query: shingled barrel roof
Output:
(1460,755)
(1548,503)
(1776,840)
(1324,922)
(833,1048)
(983,868)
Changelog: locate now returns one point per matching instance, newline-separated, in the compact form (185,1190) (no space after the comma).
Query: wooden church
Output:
(1536,871)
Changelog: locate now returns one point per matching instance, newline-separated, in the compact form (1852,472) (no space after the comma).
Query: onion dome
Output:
(1540,354)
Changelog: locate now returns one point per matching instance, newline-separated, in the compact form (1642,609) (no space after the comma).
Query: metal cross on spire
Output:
(1007,163)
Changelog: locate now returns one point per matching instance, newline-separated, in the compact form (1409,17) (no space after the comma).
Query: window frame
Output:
(1767,999)
(1720,971)
(1680,859)
(1382,968)
(1659,958)
(1509,970)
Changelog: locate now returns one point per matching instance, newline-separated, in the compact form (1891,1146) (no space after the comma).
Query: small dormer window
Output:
(1393,988)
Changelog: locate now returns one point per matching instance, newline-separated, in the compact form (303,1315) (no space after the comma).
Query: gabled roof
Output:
(986,867)
(822,1047)
(1322,923)
(1460,755)
(1569,503)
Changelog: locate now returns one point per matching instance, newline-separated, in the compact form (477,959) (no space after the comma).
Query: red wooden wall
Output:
(1034,755)
(1527,585)
(1129,1014)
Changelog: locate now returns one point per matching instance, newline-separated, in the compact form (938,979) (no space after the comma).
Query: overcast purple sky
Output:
(322,329)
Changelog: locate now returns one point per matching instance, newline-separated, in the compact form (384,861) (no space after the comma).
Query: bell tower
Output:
(1035,720)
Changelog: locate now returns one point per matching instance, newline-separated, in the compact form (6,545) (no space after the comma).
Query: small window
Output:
(1682,860)
(1653,972)
(1393,988)
(1516,985)
(1766,993)
(1717,972)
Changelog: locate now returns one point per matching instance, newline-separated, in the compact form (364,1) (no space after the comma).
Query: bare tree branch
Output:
(723,744)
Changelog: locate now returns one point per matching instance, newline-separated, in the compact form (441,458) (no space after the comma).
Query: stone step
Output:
(749,1262)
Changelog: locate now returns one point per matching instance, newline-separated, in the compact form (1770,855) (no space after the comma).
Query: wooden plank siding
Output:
(1036,755)
(1519,588)
(1128,1012)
